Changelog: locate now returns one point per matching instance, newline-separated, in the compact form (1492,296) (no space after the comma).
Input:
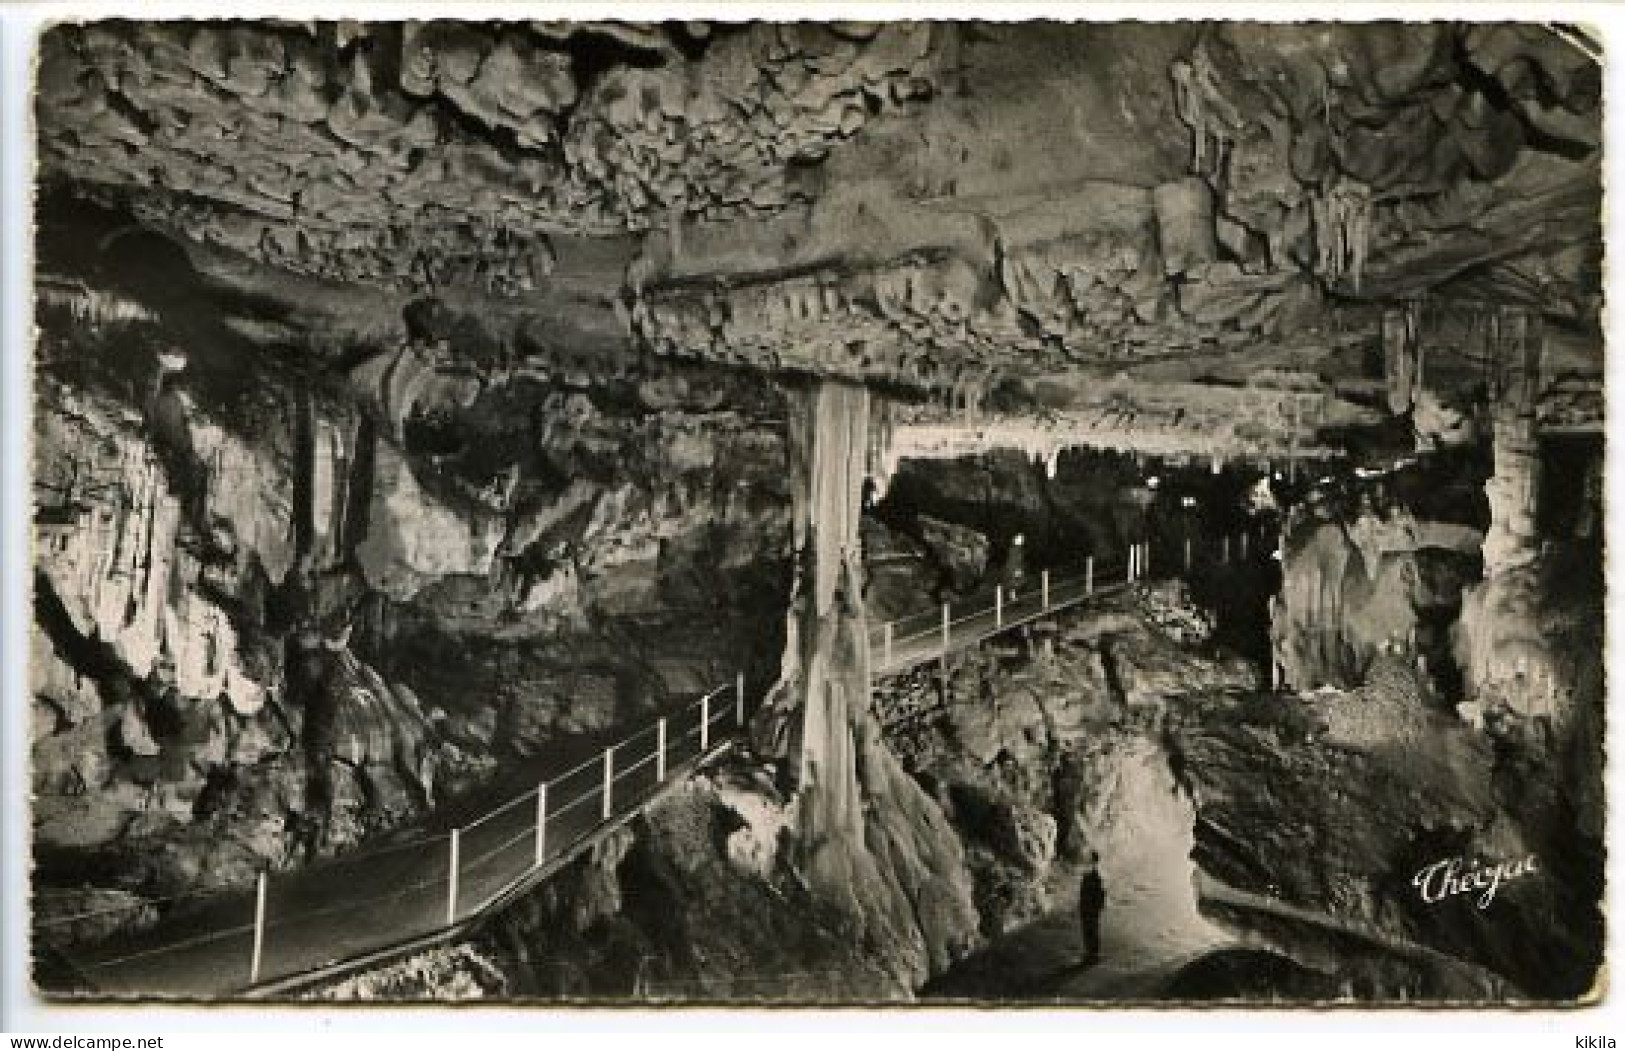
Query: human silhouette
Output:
(1015,567)
(1091,903)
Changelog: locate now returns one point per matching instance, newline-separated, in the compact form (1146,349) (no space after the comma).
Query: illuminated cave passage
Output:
(430,414)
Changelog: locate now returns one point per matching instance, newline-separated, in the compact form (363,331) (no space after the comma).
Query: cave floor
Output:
(1145,939)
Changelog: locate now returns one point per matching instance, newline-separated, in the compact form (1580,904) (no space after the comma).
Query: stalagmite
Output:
(883,457)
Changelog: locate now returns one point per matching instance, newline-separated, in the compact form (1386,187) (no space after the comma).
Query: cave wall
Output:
(277,615)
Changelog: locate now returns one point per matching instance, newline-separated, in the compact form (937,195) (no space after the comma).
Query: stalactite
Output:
(1401,356)
(1492,354)
(881,461)
(1512,344)
(304,497)
(1212,118)
(1342,217)
(1520,355)
(327,477)
(358,489)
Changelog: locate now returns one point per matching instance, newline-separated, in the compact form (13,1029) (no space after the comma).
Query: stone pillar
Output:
(824,672)
(867,839)
(1513,492)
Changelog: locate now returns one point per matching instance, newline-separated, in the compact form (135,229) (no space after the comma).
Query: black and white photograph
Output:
(906,512)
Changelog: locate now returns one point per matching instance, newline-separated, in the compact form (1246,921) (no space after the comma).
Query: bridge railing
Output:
(924,635)
(358,903)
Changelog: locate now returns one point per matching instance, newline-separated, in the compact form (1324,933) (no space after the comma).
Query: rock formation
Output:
(1353,591)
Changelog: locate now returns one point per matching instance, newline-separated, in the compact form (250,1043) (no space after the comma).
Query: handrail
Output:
(554,827)
(500,809)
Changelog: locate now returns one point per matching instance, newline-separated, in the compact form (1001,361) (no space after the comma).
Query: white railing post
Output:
(1043,589)
(998,605)
(1133,557)
(946,632)
(259,928)
(1187,554)
(739,700)
(1089,575)
(660,751)
(1224,555)
(541,822)
(456,865)
(1244,545)
(1145,558)
(609,782)
(886,637)
(705,724)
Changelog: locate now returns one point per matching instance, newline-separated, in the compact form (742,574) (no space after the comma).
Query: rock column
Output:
(1519,625)
(1514,489)
(1512,492)
(826,656)
(867,837)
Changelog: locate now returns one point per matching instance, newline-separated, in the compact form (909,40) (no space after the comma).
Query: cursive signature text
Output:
(1453,876)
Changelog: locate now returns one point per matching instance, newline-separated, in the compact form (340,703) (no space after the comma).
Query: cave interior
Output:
(421,407)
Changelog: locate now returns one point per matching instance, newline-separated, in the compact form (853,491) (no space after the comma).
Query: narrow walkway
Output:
(393,899)
(363,907)
(899,645)
(1042,960)
(1142,951)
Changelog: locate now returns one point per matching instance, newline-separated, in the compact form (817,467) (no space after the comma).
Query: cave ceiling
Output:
(934,206)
